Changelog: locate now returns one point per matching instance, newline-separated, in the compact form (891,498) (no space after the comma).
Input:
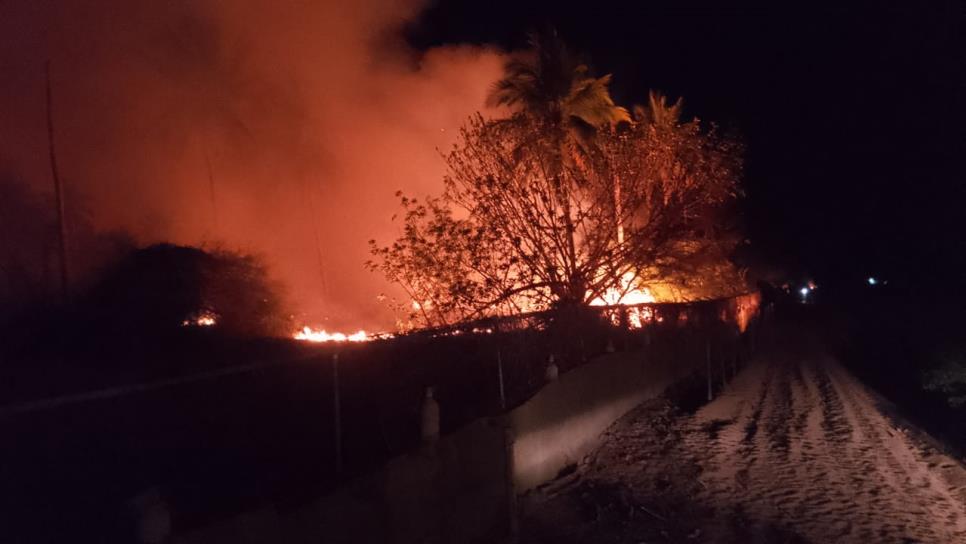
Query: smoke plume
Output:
(279,128)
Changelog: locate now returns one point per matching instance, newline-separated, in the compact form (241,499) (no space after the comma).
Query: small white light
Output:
(872,281)
(804,291)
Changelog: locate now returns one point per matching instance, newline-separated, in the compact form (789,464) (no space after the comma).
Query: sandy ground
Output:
(793,449)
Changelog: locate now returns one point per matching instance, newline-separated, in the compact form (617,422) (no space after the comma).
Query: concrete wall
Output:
(451,492)
(456,490)
(564,421)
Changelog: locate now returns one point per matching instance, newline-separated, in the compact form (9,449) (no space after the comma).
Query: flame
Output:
(309,334)
(746,309)
(637,317)
(625,295)
(203,319)
(628,294)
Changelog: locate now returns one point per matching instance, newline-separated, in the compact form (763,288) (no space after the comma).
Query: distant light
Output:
(804,291)
(872,281)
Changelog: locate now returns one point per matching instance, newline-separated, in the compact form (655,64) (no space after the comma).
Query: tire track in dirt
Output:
(821,459)
(924,500)
(793,450)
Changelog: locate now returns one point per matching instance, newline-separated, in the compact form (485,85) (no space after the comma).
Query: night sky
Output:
(852,117)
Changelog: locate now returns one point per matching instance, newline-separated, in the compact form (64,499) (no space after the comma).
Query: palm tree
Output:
(556,88)
(658,112)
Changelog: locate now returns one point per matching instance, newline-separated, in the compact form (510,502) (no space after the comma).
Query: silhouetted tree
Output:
(165,287)
(518,229)
(29,248)
(554,87)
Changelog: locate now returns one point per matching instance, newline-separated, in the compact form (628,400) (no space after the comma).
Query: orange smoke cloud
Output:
(310,115)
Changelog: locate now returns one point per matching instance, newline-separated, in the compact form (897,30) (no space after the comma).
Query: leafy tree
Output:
(556,91)
(567,199)
(517,228)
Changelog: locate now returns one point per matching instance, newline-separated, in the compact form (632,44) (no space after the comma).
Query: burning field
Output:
(243,125)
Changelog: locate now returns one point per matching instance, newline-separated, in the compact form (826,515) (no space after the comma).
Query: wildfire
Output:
(628,294)
(203,319)
(309,334)
(625,295)
(746,307)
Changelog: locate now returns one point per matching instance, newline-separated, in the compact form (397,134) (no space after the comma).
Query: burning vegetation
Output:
(312,335)
(571,200)
(565,199)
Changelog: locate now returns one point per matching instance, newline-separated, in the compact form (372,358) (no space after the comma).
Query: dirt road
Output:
(794,449)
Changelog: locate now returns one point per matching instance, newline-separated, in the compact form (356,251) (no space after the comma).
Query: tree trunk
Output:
(618,210)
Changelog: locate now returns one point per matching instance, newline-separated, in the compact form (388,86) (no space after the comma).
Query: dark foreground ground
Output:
(794,450)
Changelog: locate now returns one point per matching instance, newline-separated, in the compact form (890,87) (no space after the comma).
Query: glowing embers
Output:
(309,334)
(201,319)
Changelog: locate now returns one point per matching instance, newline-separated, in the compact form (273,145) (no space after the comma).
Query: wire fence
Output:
(486,367)
(294,428)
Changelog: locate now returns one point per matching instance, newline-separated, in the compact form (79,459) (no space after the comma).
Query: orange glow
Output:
(638,317)
(626,295)
(309,334)
(746,307)
(203,319)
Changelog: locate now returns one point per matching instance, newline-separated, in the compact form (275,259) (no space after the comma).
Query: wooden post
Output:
(734,363)
(337,413)
(724,371)
(499,370)
(708,359)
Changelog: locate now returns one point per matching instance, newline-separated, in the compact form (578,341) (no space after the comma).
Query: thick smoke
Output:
(281,128)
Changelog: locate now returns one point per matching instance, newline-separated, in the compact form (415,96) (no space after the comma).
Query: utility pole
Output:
(313,217)
(58,195)
(211,195)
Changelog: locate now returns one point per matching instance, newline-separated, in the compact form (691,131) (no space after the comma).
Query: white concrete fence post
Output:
(430,418)
(553,372)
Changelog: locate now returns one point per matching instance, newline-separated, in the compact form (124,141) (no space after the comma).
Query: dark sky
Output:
(853,117)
